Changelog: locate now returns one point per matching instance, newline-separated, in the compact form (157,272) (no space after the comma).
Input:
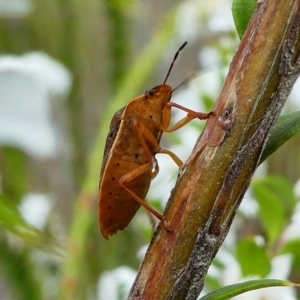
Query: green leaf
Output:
(272,210)
(259,264)
(293,247)
(14,169)
(286,127)
(284,191)
(12,221)
(17,269)
(240,288)
(242,11)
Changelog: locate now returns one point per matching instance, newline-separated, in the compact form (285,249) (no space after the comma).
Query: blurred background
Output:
(65,67)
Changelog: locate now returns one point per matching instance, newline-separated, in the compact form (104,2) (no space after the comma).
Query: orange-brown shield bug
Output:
(129,162)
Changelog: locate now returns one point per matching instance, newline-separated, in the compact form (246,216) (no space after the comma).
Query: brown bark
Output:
(212,182)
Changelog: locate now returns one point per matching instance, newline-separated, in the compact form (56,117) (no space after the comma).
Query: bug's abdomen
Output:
(116,207)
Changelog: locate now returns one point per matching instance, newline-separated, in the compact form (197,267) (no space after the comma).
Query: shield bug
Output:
(129,162)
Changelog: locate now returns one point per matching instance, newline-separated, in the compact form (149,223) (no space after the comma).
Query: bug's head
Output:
(161,93)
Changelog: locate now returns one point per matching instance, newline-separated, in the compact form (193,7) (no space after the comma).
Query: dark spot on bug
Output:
(118,164)
(110,220)
(151,92)
(111,134)
(113,178)
(136,155)
(108,207)
(110,193)
(151,116)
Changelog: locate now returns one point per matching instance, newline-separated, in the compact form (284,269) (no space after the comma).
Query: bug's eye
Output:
(149,93)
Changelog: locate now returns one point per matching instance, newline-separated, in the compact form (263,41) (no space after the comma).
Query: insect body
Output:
(129,162)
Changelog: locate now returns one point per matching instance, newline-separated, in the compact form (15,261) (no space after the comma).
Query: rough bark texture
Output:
(212,182)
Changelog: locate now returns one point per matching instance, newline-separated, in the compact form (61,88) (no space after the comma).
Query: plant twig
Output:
(214,179)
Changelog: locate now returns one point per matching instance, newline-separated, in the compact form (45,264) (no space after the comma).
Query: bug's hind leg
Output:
(131,176)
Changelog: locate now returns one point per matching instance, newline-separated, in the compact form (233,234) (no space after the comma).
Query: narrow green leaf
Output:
(284,190)
(286,127)
(293,247)
(12,221)
(272,211)
(17,269)
(242,11)
(14,171)
(259,264)
(240,288)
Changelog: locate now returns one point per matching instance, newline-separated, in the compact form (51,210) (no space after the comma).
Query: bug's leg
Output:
(175,158)
(190,116)
(151,218)
(132,175)
(144,133)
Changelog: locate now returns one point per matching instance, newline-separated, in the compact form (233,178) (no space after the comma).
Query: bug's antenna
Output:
(172,64)
(184,82)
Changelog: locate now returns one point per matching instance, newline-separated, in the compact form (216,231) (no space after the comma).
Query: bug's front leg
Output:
(191,114)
